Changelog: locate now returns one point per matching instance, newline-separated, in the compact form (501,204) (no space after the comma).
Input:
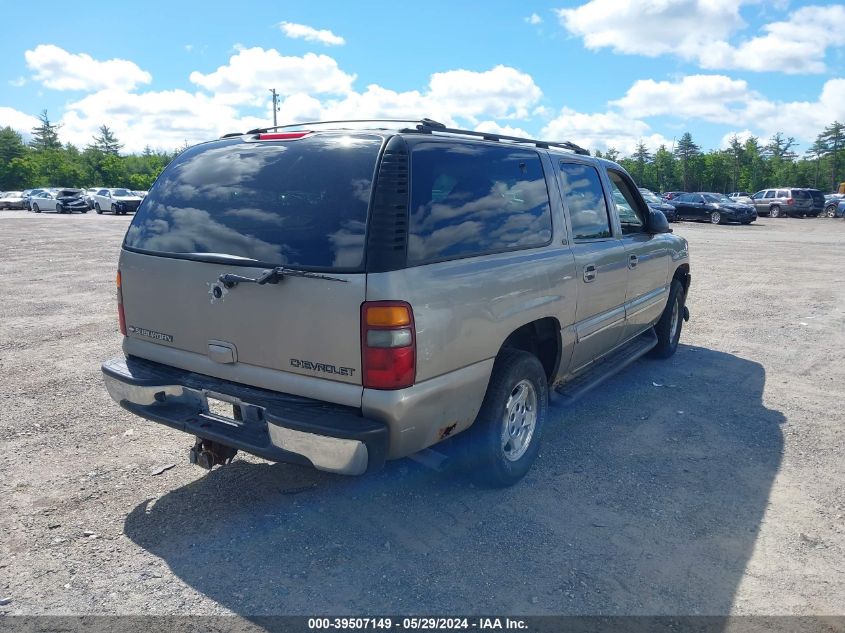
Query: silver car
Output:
(340,298)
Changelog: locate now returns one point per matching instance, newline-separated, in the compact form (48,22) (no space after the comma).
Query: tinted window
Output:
(800,194)
(631,215)
(472,199)
(781,194)
(296,203)
(688,197)
(585,201)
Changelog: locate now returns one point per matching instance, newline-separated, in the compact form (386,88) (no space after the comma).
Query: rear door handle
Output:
(589,273)
(633,260)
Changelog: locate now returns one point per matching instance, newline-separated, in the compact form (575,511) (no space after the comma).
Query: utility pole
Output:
(275,107)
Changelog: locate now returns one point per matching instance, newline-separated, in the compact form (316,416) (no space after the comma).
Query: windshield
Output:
(121,192)
(296,203)
(713,197)
(650,197)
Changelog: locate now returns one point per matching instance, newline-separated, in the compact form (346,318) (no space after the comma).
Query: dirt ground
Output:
(711,483)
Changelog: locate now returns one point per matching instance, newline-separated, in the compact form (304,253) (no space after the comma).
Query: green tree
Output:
(833,137)
(45,136)
(687,151)
(815,153)
(11,147)
(106,142)
(642,157)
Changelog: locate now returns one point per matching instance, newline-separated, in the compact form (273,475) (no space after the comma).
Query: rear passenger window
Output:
(470,200)
(585,200)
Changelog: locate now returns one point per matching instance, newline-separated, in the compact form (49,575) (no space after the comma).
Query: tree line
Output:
(46,162)
(748,165)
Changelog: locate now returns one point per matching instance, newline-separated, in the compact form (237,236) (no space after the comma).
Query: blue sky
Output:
(599,72)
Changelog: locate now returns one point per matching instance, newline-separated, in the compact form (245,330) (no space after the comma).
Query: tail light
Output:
(790,201)
(121,317)
(388,345)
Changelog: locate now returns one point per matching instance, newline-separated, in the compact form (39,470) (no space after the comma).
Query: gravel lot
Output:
(712,483)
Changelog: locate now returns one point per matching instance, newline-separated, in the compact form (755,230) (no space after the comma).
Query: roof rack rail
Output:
(425,128)
(425,122)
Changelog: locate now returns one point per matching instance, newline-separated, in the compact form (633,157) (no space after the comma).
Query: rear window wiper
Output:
(272,276)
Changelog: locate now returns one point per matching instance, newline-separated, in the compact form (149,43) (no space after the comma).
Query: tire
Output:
(747,221)
(668,328)
(518,387)
(774,212)
(60,208)
(829,212)
(35,208)
(715,217)
(97,208)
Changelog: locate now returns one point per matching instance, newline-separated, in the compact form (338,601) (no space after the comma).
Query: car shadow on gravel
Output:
(646,499)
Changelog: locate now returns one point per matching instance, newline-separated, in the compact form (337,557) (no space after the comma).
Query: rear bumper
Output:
(272,425)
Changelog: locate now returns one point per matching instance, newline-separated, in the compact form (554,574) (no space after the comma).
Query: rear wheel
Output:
(504,440)
(668,328)
(774,212)
(716,217)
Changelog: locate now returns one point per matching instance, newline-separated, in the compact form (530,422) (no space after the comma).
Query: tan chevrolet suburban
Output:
(337,296)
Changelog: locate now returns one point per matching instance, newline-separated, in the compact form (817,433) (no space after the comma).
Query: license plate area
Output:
(232,410)
(223,409)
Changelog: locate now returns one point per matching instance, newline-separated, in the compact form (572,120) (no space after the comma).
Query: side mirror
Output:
(657,222)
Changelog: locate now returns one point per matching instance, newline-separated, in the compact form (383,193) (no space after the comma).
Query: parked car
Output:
(831,204)
(778,202)
(713,207)
(741,196)
(818,201)
(272,302)
(27,197)
(89,196)
(656,202)
(59,201)
(118,201)
(838,211)
(12,200)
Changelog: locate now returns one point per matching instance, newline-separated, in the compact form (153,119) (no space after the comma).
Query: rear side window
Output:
(800,194)
(469,200)
(299,203)
(585,200)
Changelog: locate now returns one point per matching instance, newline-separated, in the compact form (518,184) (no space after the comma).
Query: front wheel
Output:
(668,328)
(774,212)
(504,440)
(60,208)
(715,218)
(97,208)
(35,208)
(829,212)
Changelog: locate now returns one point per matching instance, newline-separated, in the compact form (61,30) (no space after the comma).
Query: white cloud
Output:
(701,31)
(652,27)
(502,92)
(720,99)
(708,97)
(251,72)
(534,19)
(18,83)
(507,130)
(161,119)
(499,93)
(55,68)
(310,34)
(602,130)
(17,120)
(801,119)
(795,45)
